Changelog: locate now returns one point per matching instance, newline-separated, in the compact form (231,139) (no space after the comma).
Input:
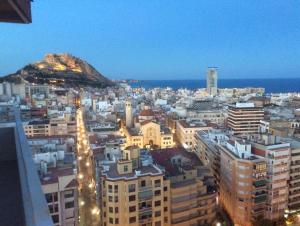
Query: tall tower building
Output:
(128,112)
(212,81)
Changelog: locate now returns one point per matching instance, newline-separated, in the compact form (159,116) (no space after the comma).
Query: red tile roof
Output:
(147,112)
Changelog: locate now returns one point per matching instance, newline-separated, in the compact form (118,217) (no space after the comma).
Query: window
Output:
(116,199)
(125,168)
(55,219)
(165,188)
(157,214)
(116,209)
(165,199)
(110,188)
(131,188)
(69,205)
(166,209)
(157,193)
(131,198)
(49,197)
(157,203)
(110,198)
(117,221)
(69,194)
(143,183)
(166,219)
(132,209)
(158,223)
(111,220)
(116,189)
(132,220)
(157,183)
(110,209)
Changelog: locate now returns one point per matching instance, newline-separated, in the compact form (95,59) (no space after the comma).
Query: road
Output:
(88,210)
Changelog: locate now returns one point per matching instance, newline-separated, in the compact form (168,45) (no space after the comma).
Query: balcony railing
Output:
(34,202)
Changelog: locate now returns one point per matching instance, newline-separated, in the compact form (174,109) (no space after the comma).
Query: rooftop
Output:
(163,157)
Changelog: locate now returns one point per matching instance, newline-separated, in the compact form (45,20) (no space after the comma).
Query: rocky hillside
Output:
(60,69)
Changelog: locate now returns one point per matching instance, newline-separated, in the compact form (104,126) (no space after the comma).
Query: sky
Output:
(161,39)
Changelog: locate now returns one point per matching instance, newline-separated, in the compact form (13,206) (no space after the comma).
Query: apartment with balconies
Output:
(294,182)
(132,191)
(242,182)
(208,150)
(277,154)
(192,195)
(186,129)
(60,188)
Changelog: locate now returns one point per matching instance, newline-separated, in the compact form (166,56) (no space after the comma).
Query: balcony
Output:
(260,199)
(260,183)
(145,195)
(16,11)
(22,202)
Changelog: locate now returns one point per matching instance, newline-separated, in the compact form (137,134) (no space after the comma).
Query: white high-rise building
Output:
(129,115)
(212,81)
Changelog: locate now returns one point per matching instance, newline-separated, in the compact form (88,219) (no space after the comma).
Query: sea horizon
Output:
(271,85)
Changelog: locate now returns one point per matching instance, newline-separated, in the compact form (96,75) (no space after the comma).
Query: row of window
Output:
(132,187)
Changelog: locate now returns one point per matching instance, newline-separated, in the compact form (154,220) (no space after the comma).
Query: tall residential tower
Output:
(212,81)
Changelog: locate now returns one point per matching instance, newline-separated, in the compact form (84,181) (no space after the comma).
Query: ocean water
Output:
(270,85)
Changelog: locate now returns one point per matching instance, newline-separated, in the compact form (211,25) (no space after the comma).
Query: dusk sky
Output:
(161,39)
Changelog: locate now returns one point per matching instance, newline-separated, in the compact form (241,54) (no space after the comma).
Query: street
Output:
(88,210)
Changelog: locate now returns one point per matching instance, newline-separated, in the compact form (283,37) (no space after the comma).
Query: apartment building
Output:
(60,188)
(242,182)
(294,182)
(207,150)
(192,199)
(244,118)
(277,154)
(48,127)
(214,115)
(186,129)
(132,191)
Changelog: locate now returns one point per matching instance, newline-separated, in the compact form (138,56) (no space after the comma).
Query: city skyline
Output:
(170,40)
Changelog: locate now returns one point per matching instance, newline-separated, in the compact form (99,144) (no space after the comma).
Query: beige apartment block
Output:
(242,183)
(186,129)
(60,188)
(133,193)
(192,200)
(51,127)
(277,154)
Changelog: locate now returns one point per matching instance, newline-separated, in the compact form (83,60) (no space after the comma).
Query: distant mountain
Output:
(60,69)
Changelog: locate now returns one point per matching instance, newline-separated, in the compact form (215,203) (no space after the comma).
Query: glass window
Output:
(110,198)
(111,220)
(69,194)
(110,209)
(131,188)
(131,198)
(157,203)
(157,193)
(132,220)
(116,209)
(55,219)
(69,205)
(132,208)
(157,214)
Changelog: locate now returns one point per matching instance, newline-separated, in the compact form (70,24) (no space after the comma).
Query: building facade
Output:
(244,118)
